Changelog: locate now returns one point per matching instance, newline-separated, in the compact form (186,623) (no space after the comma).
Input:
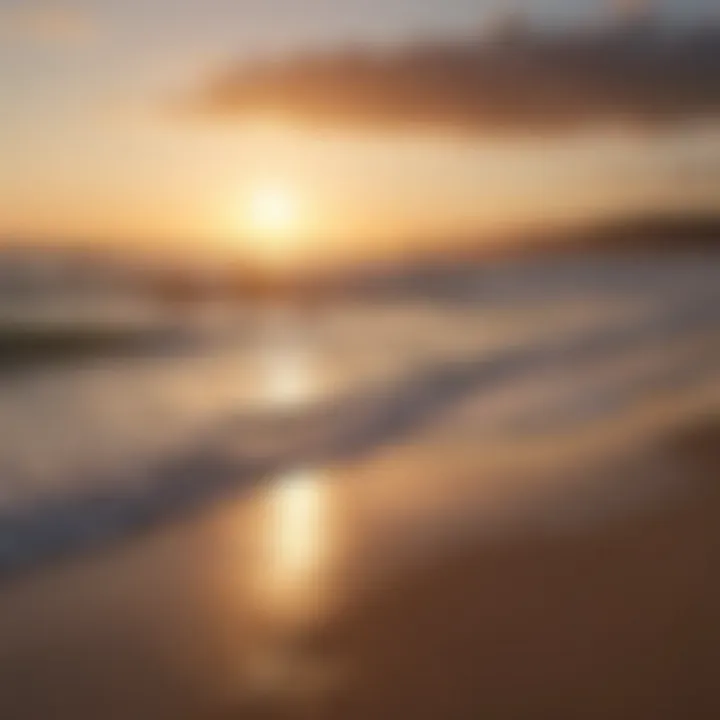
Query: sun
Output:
(273,213)
(269,224)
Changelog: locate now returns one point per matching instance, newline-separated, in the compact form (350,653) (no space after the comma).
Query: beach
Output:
(360,360)
(617,617)
(499,503)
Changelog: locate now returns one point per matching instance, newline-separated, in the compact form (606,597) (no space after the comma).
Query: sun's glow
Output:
(273,212)
(272,224)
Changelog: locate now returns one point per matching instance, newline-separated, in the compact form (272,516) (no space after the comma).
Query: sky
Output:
(95,143)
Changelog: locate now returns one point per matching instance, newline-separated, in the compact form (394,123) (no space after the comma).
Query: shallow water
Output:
(513,365)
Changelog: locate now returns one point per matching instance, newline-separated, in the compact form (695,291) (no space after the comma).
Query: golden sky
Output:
(92,147)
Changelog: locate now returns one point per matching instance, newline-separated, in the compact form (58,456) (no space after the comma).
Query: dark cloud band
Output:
(519,83)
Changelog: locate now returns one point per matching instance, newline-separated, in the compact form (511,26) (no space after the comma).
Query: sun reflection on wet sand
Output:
(287,666)
(295,504)
(292,533)
(295,529)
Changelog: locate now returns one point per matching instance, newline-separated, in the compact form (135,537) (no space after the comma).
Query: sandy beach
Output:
(621,623)
(616,618)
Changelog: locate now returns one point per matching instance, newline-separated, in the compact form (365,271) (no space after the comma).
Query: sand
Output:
(617,620)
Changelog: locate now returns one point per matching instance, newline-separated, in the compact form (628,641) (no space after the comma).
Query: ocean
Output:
(117,414)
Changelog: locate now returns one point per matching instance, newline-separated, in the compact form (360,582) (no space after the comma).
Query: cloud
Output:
(48,23)
(516,82)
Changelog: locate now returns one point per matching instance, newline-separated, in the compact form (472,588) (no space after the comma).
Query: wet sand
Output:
(619,619)
(622,623)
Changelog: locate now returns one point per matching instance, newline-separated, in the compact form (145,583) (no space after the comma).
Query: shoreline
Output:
(620,620)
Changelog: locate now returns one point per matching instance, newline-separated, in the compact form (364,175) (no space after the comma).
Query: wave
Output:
(246,448)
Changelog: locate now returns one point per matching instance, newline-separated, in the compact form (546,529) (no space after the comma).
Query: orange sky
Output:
(91,148)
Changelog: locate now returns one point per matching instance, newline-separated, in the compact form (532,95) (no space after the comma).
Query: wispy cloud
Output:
(518,82)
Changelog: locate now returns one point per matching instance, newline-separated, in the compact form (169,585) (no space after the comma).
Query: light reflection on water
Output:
(295,502)
(288,376)
(293,543)
(288,366)
(296,526)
